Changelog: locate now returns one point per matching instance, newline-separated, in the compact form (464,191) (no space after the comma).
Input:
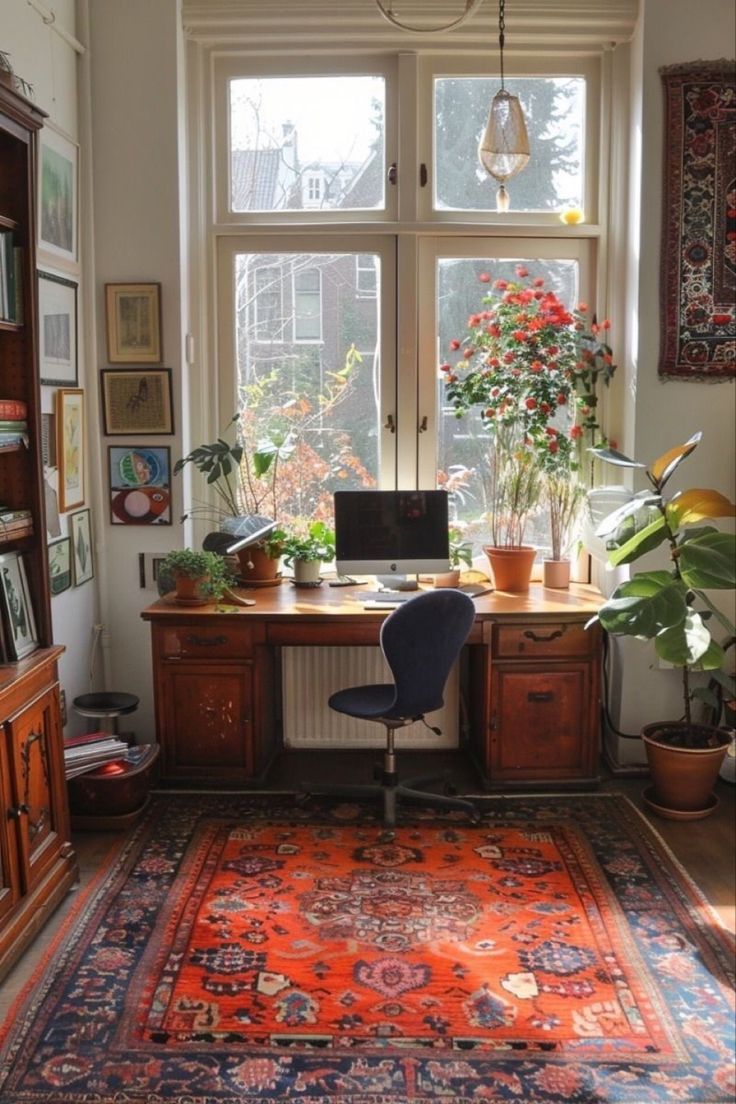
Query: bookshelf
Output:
(37,864)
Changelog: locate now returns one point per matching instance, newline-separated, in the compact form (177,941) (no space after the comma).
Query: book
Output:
(13,410)
(18,425)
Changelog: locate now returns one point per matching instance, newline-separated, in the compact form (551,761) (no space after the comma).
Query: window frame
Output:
(294,294)
(279,294)
(233,67)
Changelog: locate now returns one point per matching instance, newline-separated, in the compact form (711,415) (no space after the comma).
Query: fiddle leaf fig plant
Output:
(670,607)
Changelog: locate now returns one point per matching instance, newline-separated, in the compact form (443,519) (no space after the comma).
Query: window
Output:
(308,305)
(337,290)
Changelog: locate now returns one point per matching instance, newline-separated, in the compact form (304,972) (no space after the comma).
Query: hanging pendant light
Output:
(504,147)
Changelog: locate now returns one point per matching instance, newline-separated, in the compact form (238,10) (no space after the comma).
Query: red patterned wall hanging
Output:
(698,276)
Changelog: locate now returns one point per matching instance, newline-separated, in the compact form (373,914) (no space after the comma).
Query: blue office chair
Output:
(421,639)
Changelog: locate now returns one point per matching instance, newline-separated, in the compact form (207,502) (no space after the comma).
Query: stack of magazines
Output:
(87,753)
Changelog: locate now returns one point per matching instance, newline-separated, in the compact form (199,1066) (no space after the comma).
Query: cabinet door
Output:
(38,785)
(543,722)
(9,874)
(205,722)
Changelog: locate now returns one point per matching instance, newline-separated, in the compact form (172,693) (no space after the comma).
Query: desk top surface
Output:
(287,602)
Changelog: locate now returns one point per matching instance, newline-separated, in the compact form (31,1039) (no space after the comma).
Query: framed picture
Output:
(140,478)
(133,315)
(81,541)
(70,447)
(17,610)
(57,330)
(137,402)
(60,565)
(58,195)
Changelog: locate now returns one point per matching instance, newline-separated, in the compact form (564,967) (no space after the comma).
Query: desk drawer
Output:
(226,641)
(547,638)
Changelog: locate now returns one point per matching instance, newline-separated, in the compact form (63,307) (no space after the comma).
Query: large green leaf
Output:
(697,504)
(686,643)
(629,509)
(709,561)
(645,605)
(667,464)
(643,540)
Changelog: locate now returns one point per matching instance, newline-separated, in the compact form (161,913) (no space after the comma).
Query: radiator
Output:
(310,675)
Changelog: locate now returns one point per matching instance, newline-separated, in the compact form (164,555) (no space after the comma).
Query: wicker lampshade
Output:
(504,147)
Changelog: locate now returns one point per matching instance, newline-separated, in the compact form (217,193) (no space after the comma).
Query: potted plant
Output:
(564,496)
(520,363)
(244,480)
(197,576)
(307,551)
(672,608)
(461,552)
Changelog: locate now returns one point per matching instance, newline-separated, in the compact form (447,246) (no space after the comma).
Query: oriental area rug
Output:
(243,949)
(698,277)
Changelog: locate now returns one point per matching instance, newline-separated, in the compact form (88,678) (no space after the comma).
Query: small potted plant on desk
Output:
(684,756)
(564,496)
(306,552)
(197,577)
(461,552)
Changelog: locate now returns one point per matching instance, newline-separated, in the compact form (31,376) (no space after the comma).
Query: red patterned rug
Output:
(698,277)
(242,949)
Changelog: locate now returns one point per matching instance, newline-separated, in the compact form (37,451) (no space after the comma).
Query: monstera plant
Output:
(674,609)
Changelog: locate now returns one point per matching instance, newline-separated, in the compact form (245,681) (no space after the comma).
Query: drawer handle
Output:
(540,696)
(205,641)
(530,635)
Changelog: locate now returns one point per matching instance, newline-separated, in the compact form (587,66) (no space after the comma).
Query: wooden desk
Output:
(530,677)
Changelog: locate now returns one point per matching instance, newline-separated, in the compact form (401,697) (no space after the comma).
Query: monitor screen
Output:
(391,532)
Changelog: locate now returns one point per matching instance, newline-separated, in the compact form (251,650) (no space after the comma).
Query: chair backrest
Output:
(421,640)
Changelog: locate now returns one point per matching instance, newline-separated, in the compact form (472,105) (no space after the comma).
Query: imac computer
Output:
(391,533)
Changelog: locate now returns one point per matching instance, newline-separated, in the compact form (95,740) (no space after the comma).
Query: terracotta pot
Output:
(511,567)
(188,589)
(448,578)
(556,574)
(256,565)
(684,777)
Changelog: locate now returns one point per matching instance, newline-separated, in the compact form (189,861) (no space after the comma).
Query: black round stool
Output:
(106,704)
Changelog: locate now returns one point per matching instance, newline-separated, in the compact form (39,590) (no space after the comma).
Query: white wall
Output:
(135,133)
(670,32)
(50,65)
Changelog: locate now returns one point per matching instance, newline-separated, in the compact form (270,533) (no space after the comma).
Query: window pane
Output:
(462,447)
(307,143)
(554,110)
(323,396)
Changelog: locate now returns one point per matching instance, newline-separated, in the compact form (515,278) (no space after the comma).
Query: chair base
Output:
(390,790)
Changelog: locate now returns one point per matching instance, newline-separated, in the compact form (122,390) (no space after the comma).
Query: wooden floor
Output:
(705,848)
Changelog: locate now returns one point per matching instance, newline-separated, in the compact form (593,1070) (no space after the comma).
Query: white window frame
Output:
(295,314)
(590,68)
(365,292)
(229,67)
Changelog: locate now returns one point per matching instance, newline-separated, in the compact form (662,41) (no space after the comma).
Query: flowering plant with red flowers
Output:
(531,366)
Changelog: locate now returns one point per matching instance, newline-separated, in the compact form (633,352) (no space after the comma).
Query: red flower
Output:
(519,335)
(576,432)
(583,308)
(606,324)
(536,366)
(508,358)
(500,285)
(469,352)
(454,344)
(538,282)
(522,272)
(553,445)
(490,412)
(484,278)
(530,403)
(561,399)
(445,367)
(550,431)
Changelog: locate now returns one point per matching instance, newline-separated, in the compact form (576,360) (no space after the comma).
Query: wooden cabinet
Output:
(537,698)
(36,860)
(214,702)
(37,864)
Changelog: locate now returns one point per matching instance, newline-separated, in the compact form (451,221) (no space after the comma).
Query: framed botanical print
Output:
(133,316)
(20,636)
(137,402)
(81,539)
(57,330)
(70,431)
(60,565)
(58,196)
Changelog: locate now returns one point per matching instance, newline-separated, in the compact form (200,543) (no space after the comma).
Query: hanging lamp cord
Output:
(501,35)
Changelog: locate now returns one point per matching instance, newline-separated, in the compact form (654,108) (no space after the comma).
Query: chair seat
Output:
(366,702)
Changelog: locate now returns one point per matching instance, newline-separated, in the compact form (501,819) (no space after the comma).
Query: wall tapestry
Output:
(698,276)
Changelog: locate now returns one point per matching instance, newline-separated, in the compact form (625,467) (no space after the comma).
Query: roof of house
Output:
(255,176)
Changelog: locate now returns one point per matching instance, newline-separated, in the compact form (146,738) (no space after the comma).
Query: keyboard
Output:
(382,599)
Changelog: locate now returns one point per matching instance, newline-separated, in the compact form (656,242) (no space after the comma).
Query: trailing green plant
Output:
(208,566)
(317,543)
(672,608)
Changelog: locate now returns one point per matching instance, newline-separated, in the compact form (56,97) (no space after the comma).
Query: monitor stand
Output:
(397,582)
